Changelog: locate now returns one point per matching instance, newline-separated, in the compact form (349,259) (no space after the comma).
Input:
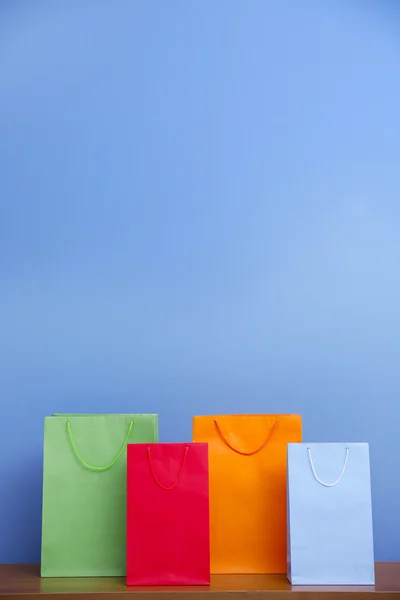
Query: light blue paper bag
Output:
(330,540)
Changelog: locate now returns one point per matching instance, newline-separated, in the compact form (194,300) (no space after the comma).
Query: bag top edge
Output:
(246,415)
(63,415)
(328,443)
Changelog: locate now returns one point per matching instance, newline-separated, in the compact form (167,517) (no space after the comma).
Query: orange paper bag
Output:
(247,469)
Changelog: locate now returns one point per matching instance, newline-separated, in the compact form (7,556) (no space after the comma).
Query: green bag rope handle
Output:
(90,467)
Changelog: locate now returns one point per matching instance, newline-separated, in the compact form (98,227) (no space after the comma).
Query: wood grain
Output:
(19,581)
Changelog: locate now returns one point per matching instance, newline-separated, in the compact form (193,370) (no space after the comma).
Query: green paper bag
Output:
(84,492)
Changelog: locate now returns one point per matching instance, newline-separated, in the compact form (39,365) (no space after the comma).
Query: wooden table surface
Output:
(19,581)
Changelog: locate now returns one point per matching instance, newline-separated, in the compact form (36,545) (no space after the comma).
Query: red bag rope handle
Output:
(171,487)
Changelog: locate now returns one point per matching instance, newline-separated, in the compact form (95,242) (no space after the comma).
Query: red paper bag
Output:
(168,522)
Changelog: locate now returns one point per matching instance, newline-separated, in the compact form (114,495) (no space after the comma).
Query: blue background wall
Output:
(200,213)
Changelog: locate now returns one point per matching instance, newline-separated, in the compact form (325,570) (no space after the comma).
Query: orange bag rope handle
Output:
(171,487)
(246,453)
